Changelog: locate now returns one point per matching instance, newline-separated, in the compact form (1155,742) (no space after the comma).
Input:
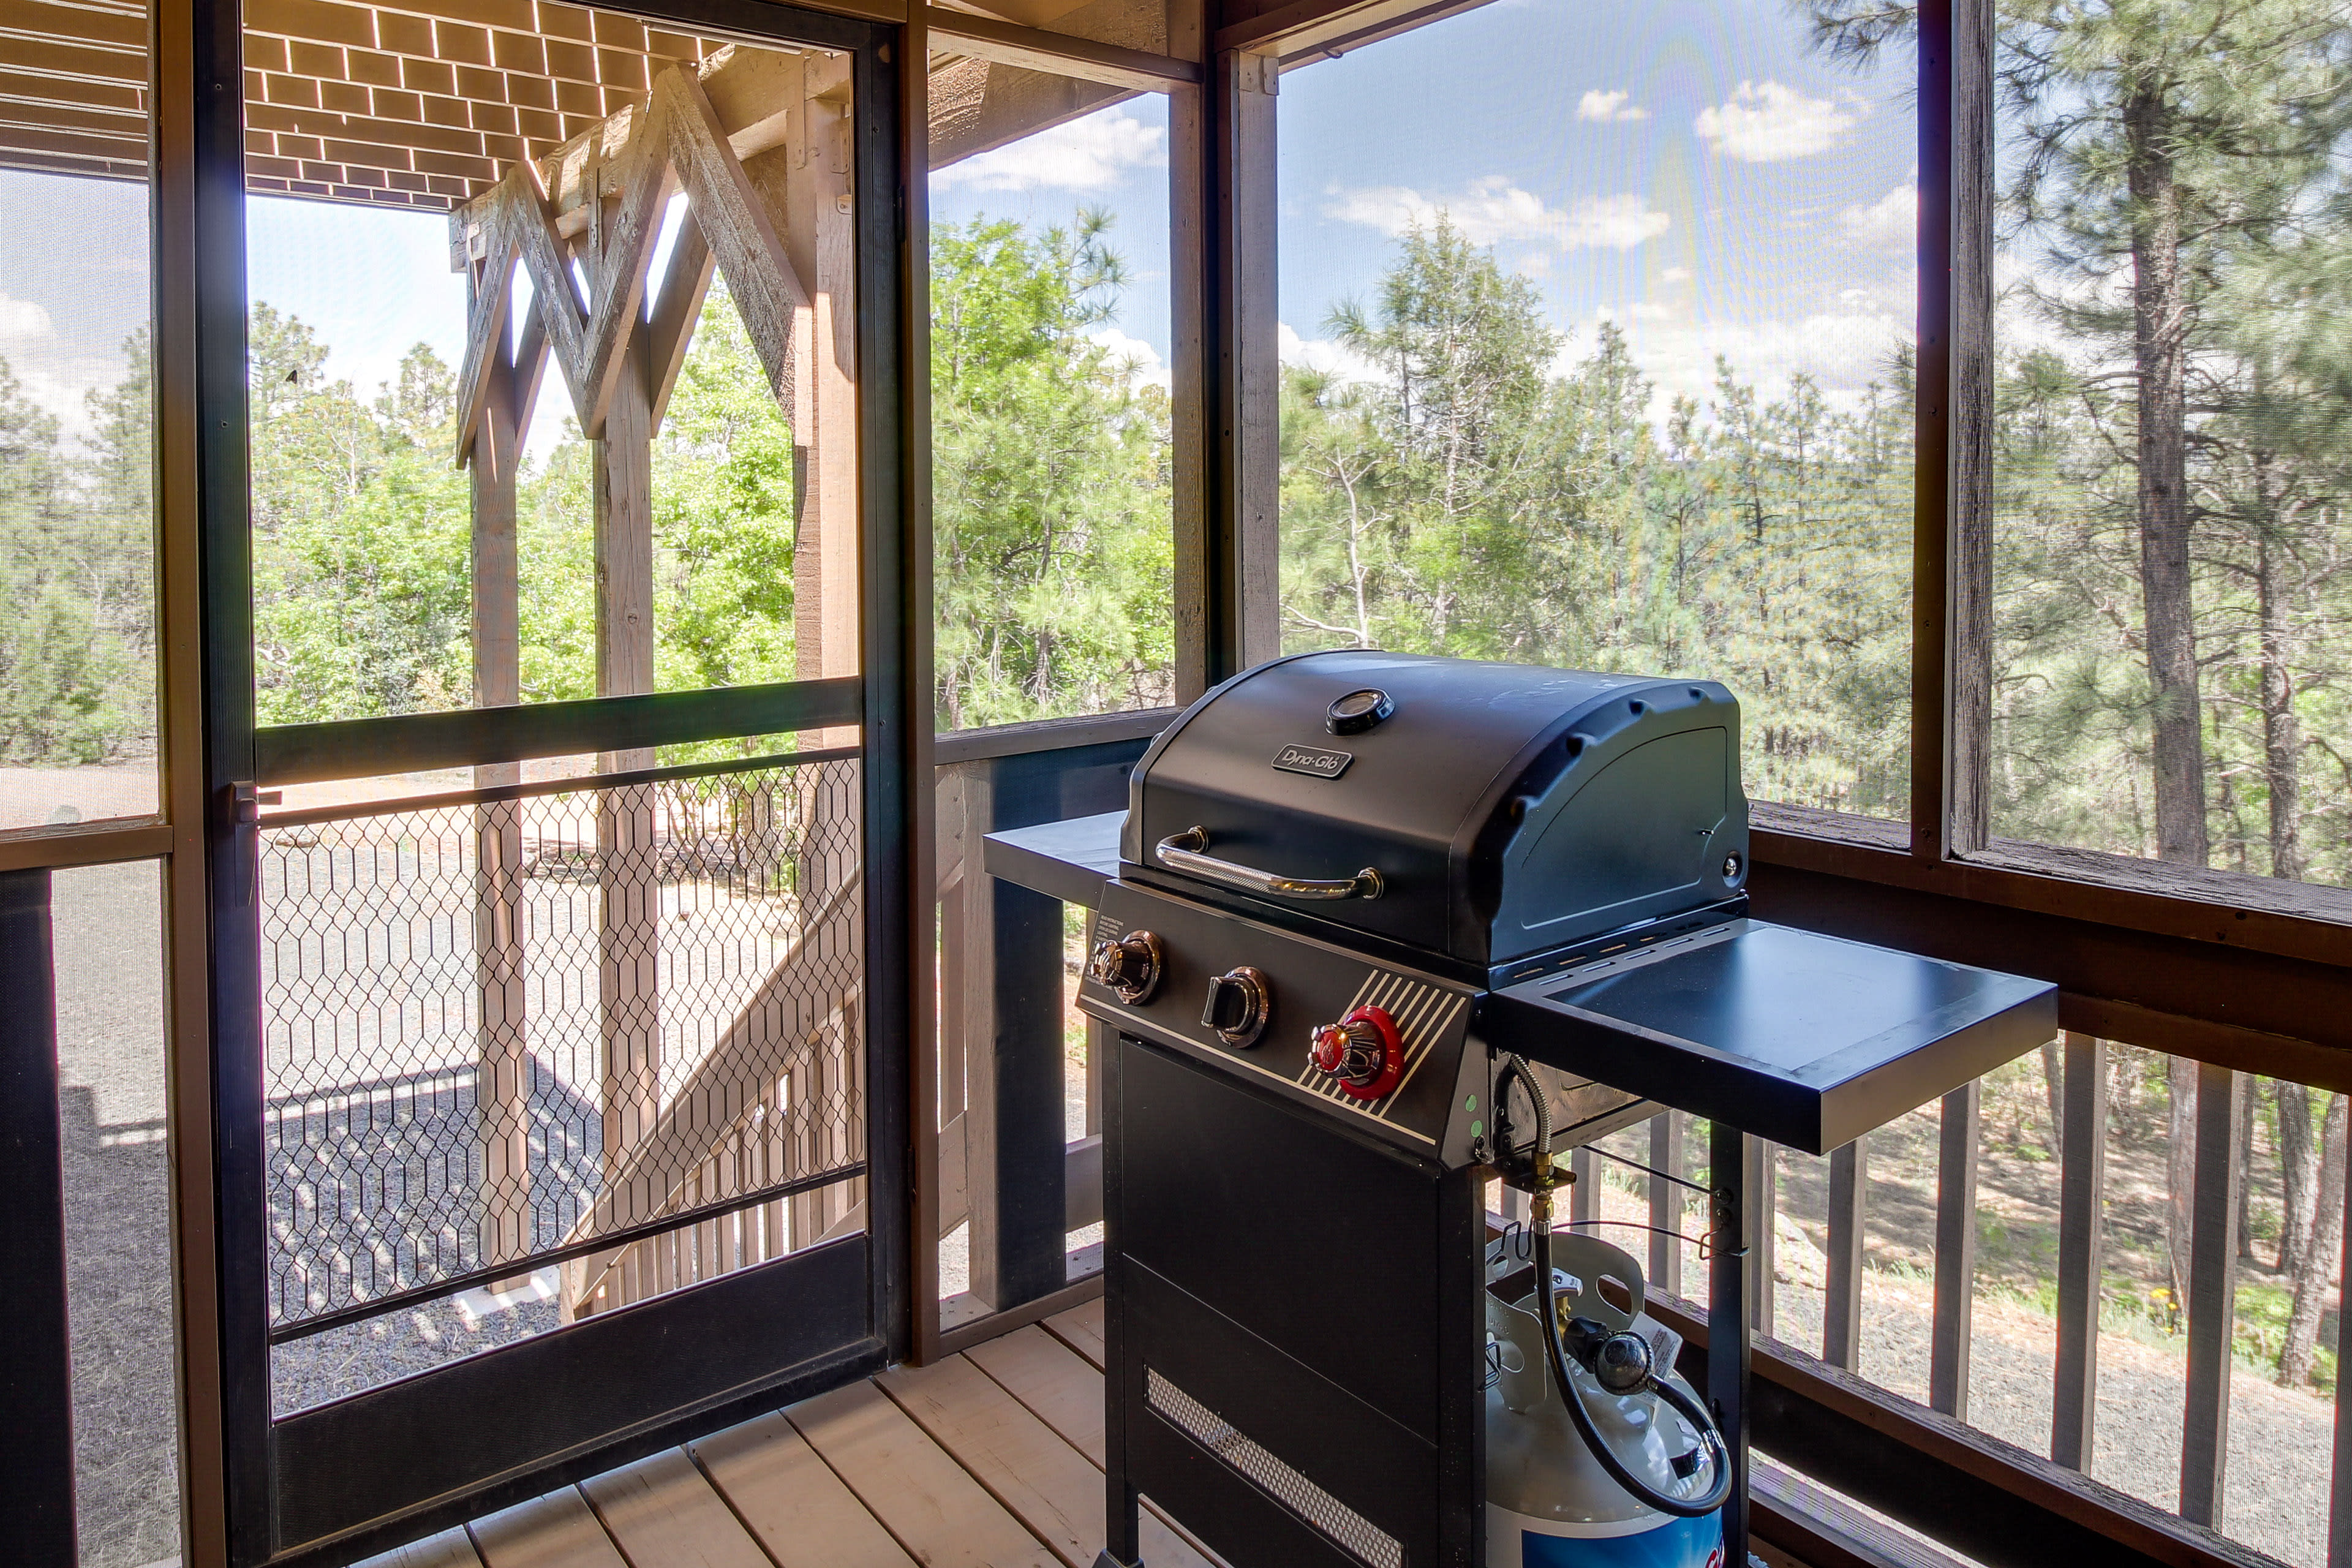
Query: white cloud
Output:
(1886,224)
(1089,155)
(1766,122)
(1322,354)
(21,320)
(1610,107)
(1141,360)
(53,373)
(1676,275)
(1843,346)
(1493,209)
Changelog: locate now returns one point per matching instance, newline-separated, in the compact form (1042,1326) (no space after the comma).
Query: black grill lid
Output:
(1495,812)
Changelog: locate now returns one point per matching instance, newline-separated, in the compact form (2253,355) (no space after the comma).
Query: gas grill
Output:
(1349,886)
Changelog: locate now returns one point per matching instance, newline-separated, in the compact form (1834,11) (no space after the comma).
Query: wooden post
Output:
(628,935)
(37,1447)
(501,1041)
(2339,1487)
(1666,1205)
(1842,1306)
(1247,218)
(2212,1294)
(806,187)
(2083,1181)
(1956,1252)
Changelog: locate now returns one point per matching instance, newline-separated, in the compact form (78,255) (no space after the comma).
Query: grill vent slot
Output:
(1351,1531)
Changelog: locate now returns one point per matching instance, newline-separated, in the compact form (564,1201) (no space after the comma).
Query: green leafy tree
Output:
(1051,498)
(77,679)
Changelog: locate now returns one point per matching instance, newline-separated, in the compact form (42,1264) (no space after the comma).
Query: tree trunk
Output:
(2327,1241)
(2281,730)
(2159,347)
(2180,1210)
(2245,1225)
(2052,1082)
(2298,1175)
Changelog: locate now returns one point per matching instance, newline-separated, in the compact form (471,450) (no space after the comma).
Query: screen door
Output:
(560,929)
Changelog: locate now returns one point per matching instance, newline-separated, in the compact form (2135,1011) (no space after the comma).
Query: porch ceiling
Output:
(426,104)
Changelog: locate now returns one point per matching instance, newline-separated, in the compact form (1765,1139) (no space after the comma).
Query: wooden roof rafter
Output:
(597,201)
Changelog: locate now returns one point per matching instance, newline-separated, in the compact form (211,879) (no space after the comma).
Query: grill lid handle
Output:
(1184,852)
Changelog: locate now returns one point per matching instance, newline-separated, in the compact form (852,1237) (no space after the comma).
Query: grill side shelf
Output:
(1804,1040)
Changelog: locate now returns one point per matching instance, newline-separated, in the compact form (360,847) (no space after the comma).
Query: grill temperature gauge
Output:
(1362,1051)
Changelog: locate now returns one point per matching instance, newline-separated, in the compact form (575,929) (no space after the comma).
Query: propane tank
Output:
(1550,1501)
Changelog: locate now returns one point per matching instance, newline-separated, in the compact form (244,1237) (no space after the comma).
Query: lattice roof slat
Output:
(427,103)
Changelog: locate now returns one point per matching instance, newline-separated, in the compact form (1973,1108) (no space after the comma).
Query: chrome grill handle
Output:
(1184,852)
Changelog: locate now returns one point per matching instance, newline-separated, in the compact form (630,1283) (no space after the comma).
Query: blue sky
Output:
(1683,167)
(1686,169)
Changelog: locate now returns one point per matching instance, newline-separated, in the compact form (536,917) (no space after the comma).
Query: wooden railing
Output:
(1007,1171)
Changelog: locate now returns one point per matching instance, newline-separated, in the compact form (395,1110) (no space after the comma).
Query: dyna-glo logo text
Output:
(1313,761)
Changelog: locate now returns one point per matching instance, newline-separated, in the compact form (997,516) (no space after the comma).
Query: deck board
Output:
(799,1508)
(661,1509)
(1054,1490)
(1081,1329)
(450,1549)
(558,1530)
(1057,1385)
(922,1495)
(1062,1388)
(990,1460)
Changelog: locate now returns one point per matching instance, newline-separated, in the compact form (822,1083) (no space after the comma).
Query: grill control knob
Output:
(1238,1003)
(1362,1051)
(1131,966)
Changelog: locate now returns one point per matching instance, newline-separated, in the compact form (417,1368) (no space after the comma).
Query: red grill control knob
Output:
(1131,966)
(1362,1051)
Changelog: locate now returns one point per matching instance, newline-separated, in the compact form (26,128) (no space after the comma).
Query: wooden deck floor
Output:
(990,1460)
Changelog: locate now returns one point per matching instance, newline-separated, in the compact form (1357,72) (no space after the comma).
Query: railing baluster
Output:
(2212,1293)
(1842,1311)
(2083,1182)
(1764,1198)
(2339,1486)
(1666,1205)
(1956,1251)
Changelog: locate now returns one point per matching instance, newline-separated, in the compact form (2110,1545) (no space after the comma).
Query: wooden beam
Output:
(502,1047)
(737,226)
(1955,1250)
(1246,585)
(2212,1293)
(678,307)
(1667,1203)
(1841,1305)
(2081,1228)
(628,883)
(1311,29)
(1059,54)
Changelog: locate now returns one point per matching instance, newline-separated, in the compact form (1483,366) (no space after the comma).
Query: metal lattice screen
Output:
(499,1032)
